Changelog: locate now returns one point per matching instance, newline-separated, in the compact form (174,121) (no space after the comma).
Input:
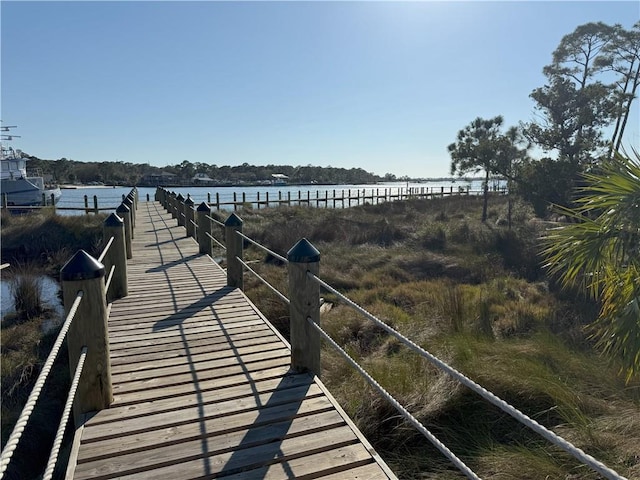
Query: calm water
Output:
(110,198)
(50,290)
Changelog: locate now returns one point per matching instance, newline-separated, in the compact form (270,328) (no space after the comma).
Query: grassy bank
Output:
(35,245)
(475,295)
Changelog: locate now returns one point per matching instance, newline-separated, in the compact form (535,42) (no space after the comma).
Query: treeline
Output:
(582,113)
(124,173)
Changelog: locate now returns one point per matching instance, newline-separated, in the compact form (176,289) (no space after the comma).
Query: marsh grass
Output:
(35,245)
(474,295)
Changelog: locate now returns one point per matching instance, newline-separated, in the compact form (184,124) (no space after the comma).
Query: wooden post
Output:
(125,214)
(258,200)
(131,202)
(173,209)
(89,328)
(132,218)
(208,197)
(113,226)
(95,204)
(205,244)
(53,202)
(217,201)
(304,294)
(180,210)
(189,217)
(44,199)
(234,249)
(86,205)
(235,200)
(5,202)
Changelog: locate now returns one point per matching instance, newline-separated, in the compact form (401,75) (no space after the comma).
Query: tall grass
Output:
(474,295)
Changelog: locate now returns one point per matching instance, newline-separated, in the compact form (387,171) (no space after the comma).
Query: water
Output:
(110,197)
(50,295)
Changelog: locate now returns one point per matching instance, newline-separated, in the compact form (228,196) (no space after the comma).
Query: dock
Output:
(202,382)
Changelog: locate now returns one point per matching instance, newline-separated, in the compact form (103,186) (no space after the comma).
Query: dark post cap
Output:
(180,197)
(203,207)
(233,221)
(188,201)
(122,208)
(303,252)
(113,220)
(82,266)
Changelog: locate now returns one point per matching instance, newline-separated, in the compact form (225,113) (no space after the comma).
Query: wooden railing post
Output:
(125,214)
(189,215)
(205,245)
(130,202)
(234,249)
(173,205)
(305,303)
(113,226)
(180,210)
(89,328)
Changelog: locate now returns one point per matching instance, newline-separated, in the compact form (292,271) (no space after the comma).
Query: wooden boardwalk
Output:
(201,382)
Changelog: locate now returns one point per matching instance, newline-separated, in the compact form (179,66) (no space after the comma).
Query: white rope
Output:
(257,275)
(108,282)
(14,439)
(484,393)
(215,221)
(262,247)
(53,456)
(3,266)
(106,249)
(215,240)
(403,411)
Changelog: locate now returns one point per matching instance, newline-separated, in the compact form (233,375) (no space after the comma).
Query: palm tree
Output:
(600,253)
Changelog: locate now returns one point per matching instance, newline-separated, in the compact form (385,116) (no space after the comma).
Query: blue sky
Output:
(383,86)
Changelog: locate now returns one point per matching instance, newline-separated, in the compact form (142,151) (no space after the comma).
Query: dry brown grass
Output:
(473,294)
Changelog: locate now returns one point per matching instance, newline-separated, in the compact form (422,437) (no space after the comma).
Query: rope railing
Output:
(27,410)
(484,393)
(57,443)
(108,282)
(403,411)
(4,265)
(220,244)
(217,222)
(235,279)
(262,247)
(261,278)
(106,249)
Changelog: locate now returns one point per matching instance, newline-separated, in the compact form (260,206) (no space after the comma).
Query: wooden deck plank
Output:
(201,382)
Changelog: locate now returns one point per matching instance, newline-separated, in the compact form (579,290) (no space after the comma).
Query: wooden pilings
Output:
(205,244)
(116,255)
(189,217)
(88,329)
(234,251)
(304,295)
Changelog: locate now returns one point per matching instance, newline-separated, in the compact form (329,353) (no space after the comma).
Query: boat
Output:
(17,188)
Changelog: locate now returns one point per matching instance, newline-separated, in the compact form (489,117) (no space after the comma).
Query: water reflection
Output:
(50,290)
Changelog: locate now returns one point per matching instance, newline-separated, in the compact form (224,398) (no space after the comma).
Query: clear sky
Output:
(383,86)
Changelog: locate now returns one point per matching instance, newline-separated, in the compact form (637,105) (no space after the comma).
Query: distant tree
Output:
(511,154)
(600,252)
(475,151)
